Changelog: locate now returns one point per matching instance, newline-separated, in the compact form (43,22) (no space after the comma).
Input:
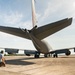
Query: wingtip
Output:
(70,20)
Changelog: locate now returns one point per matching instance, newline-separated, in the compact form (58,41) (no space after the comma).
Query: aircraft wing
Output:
(46,30)
(40,32)
(15,31)
(67,51)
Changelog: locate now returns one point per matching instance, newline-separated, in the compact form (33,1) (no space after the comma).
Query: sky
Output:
(17,13)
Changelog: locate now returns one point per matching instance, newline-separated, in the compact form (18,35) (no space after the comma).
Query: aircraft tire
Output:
(55,56)
(68,53)
(46,55)
(36,56)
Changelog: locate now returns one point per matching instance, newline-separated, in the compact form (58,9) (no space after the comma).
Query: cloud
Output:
(26,24)
(11,17)
(56,10)
(60,42)
(11,41)
(50,9)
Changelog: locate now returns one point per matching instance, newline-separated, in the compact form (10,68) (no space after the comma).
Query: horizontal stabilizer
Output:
(40,32)
(15,31)
(49,29)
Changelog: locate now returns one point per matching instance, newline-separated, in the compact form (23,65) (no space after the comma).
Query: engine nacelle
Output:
(68,53)
(11,51)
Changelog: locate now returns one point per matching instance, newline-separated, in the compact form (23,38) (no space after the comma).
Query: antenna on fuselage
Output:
(33,14)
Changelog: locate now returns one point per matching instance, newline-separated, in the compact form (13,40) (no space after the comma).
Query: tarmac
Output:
(24,65)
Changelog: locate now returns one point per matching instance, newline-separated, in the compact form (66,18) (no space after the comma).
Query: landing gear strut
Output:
(55,55)
(37,54)
(46,55)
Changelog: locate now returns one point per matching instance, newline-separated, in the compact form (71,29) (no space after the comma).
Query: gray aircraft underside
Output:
(36,34)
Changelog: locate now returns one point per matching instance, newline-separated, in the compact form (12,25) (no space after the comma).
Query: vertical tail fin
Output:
(33,14)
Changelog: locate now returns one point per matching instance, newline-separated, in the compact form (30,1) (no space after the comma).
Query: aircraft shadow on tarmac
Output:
(19,61)
(22,61)
(67,57)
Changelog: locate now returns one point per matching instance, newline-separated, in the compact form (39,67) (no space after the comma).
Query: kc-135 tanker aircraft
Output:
(36,34)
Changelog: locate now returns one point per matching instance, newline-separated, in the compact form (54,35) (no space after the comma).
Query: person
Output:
(2,59)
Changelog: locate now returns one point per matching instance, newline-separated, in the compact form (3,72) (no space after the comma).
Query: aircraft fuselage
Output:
(39,45)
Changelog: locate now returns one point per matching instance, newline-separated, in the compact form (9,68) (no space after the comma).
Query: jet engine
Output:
(68,53)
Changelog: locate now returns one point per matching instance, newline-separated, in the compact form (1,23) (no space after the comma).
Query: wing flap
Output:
(49,29)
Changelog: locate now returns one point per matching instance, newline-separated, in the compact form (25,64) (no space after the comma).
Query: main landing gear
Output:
(55,55)
(50,55)
(46,55)
(37,55)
